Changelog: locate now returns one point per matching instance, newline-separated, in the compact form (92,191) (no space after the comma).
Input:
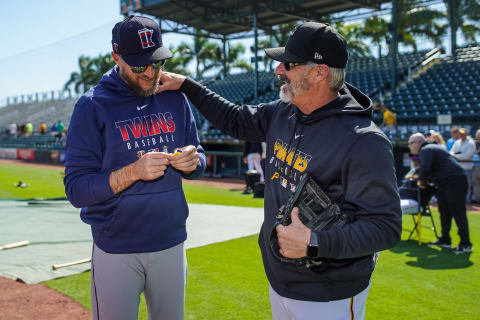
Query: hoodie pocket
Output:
(339,271)
(140,214)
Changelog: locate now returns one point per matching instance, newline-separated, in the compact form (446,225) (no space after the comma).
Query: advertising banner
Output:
(25,154)
(8,153)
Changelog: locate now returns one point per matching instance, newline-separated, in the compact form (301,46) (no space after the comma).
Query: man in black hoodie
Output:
(440,167)
(322,126)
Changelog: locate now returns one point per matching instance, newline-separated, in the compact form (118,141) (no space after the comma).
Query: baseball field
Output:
(226,280)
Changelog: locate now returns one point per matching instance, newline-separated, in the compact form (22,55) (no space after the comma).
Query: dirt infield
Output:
(36,301)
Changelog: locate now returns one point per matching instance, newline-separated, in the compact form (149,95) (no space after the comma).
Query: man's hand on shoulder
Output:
(170,81)
(185,159)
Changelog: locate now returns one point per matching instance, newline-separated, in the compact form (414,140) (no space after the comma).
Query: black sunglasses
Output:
(290,65)
(156,65)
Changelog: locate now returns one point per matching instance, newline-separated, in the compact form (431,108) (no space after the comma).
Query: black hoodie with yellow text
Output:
(347,155)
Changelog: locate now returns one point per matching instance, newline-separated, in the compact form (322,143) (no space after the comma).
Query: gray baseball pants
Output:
(352,308)
(119,279)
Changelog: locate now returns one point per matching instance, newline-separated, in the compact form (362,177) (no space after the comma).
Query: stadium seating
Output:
(37,142)
(36,113)
(371,74)
(451,86)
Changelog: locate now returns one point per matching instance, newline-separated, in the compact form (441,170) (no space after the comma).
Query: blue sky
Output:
(42,40)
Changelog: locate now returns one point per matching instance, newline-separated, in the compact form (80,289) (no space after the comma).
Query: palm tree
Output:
(202,51)
(415,19)
(91,71)
(376,29)
(233,58)
(472,9)
(178,62)
(277,37)
(467,11)
(354,36)
(78,78)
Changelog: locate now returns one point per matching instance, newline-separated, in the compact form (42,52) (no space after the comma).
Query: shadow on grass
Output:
(432,258)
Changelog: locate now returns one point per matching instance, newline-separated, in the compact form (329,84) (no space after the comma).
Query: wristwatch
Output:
(312,248)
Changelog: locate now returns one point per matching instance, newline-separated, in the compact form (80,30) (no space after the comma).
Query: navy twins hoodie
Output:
(110,128)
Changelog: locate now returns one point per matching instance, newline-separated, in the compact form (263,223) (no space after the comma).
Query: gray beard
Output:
(285,96)
(293,89)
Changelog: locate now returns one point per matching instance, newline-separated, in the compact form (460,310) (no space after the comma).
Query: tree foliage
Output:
(353,33)
(467,17)
(90,72)
(415,21)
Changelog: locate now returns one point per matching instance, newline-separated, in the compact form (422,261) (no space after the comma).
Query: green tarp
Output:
(57,235)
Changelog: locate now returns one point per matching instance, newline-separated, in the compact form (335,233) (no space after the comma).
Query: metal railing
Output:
(36,97)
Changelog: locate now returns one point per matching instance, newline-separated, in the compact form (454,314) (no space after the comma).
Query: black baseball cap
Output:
(139,41)
(313,42)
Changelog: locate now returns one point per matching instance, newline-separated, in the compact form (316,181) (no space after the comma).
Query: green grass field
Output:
(226,280)
(48,183)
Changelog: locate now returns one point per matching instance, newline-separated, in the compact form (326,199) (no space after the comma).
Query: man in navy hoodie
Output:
(322,126)
(127,150)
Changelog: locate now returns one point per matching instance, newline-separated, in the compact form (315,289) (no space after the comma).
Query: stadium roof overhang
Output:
(221,18)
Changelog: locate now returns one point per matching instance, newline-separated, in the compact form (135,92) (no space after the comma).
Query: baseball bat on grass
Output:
(69,264)
(14,245)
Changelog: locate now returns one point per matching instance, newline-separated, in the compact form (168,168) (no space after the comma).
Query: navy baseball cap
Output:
(139,41)
(313,42)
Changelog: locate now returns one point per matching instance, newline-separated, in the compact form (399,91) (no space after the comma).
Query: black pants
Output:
(451,204)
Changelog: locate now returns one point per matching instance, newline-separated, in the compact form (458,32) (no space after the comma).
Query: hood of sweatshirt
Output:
(351,101)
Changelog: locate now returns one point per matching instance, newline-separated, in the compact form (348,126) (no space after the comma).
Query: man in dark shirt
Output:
(439,167)
(321,126)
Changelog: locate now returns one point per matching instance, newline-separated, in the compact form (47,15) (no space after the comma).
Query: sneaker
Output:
(462,249)
(440,243)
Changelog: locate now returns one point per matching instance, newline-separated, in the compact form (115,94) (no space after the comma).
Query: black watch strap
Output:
(312,248)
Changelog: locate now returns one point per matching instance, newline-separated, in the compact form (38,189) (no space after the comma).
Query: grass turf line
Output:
(48,183)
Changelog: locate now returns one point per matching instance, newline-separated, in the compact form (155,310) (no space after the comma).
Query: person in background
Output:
(437,138)
(13,129)
(28,129)
(389,123)
(441,168)
(42,128)
(454,136)
(60,126)
(252,155)
(22,129)
(463,150)
(476,171)
(53,129)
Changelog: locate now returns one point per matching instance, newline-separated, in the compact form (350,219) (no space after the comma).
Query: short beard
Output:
(135,87)
(289,90)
